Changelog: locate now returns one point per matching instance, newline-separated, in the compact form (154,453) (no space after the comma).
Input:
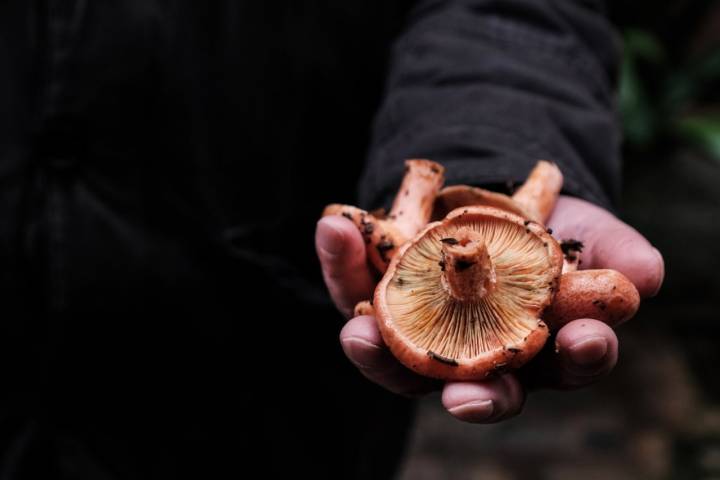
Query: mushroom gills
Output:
(427,312)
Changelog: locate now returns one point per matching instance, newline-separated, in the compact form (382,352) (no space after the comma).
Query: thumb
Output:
(341,251)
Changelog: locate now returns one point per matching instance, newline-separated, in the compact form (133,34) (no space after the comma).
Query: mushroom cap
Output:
(457,196)
(436,335)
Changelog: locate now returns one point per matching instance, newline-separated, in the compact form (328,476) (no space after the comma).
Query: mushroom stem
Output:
(538,194)
(410,212)
(413,204)
(468,273)
(605,295)
(381,237)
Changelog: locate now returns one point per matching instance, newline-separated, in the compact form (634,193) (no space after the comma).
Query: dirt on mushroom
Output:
(464,297)
(410,212)
(482,310)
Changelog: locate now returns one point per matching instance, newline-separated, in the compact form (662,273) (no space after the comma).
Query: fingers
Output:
(362,343)
(341,251)
(484,402)
(609,243)
(584,351)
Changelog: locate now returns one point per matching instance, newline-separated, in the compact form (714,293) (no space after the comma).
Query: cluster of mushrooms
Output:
(469,274)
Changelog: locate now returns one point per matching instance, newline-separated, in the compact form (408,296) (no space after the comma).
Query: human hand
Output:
(583,350)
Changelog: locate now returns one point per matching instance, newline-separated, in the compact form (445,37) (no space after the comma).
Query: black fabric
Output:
(162,166)
(488,87)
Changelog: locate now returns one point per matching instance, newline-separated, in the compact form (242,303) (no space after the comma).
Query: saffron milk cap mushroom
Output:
(535,199)
(410,212)
(464,298)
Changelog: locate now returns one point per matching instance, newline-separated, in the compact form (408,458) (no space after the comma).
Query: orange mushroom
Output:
(605,295)
(534,200)
(410,212)
(465,298)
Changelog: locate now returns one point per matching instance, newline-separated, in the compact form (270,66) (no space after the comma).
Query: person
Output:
(162,168)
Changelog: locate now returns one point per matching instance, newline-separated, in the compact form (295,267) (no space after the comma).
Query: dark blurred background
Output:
(658,415)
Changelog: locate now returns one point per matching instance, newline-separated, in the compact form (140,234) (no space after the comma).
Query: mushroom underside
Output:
(430,318)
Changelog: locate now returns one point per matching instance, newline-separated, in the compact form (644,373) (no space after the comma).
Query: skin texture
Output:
(587,349)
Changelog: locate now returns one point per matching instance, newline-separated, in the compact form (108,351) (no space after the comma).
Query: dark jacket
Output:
(162,166)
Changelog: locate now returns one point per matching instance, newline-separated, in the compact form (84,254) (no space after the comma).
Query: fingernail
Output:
(588,351)
(329,238)
(475,411)
(361,352)
(661,276)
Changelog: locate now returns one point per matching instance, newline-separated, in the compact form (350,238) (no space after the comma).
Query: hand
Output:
(582,351)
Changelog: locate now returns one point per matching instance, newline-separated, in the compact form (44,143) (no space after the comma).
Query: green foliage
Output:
(702,132)
(664,100)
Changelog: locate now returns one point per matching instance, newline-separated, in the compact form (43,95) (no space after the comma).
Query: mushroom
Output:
(464,298)
(457,196)
(534,200)
(410,212)
(537,196)
(603,294)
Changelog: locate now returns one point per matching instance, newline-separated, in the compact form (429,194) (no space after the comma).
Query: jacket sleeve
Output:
(487,88)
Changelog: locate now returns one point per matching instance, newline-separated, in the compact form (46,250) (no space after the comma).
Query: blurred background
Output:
(658,415)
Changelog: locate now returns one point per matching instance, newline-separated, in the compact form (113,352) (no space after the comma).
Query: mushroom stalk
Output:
(413,204)
(534,200)
(468,273)
(604,295)
(538,194)
(410,212)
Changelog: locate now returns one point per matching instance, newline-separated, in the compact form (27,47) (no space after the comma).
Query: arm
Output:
(487,88)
